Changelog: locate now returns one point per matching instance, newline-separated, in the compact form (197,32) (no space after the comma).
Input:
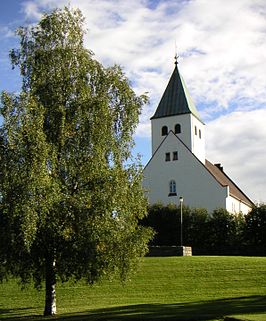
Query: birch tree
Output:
(70,197)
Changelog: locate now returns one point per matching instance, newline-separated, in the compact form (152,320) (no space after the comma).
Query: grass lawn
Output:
(163,289)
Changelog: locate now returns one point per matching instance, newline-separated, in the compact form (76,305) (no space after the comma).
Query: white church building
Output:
(178,166)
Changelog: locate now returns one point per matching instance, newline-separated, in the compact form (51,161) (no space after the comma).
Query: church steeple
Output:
(176,99)
(176,112)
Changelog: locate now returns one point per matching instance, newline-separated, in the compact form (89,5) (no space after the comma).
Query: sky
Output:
(221,46)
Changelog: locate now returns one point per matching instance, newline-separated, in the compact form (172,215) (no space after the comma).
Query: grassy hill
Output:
(163,289)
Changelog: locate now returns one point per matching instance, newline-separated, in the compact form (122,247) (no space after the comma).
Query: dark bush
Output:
(255,227)
(165,220)
(218,233)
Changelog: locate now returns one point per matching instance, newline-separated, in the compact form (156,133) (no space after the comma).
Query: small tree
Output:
(224,231)
(195,228)
(165,220)
(69,206)
(255,227)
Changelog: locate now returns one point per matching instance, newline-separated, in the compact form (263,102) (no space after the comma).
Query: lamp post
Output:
(181,219)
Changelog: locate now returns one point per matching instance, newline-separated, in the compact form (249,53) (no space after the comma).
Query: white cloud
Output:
(6,32)
(222,51)
(31,10)
(222,47)
(237,141)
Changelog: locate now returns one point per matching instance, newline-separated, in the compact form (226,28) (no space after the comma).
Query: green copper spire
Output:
(176,99)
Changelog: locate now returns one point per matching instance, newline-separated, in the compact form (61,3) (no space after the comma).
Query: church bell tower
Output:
(176,112)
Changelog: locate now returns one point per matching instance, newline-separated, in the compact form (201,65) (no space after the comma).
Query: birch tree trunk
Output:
(50,282)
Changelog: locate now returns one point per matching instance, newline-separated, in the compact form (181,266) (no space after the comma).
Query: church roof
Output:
(218,173)
(176,99)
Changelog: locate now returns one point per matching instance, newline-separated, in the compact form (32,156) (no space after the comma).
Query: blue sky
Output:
(222,49)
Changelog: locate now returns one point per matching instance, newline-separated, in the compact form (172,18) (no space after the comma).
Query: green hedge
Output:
(217,233)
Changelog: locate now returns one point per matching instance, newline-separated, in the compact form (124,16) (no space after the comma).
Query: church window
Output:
(172,188)
(199,133)
(175,155)
(196,130)
(167,157)
(177,129)
(164,130)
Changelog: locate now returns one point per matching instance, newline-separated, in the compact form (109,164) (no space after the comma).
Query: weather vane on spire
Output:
(176,56)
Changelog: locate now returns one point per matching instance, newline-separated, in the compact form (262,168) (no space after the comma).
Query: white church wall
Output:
(192,133)
(198,138)
(170,122)
(245,209)
(193,181)
(234,205)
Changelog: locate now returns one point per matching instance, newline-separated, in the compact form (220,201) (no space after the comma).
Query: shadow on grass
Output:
(12,314)
(196,311)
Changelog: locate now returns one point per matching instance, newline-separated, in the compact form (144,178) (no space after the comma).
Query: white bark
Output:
(50,295)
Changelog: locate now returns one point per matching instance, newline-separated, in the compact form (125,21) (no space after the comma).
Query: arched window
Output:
(172,188)
(177,129)
(164,130)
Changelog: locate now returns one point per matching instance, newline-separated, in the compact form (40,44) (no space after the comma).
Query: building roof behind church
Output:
(176,99)
(224,180)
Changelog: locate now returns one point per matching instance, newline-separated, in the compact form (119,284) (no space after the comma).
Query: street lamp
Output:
(181,219)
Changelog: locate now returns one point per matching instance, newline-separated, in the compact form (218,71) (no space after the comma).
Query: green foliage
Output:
(219,232)
(165,220)
(255,226)
(224,229)
(71,198)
